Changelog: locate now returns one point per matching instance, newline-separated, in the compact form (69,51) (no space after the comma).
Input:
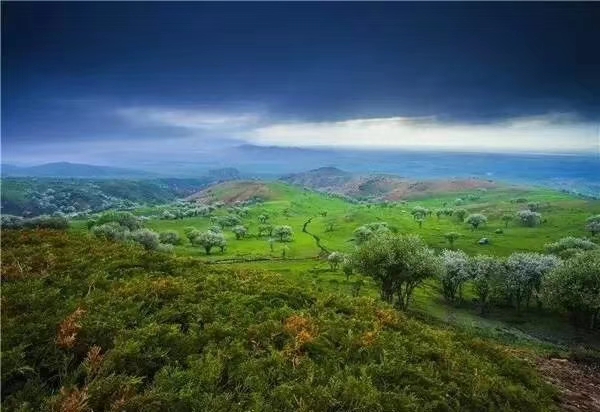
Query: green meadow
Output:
(334,221)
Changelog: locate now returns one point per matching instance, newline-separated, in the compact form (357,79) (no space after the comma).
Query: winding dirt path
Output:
(324,250)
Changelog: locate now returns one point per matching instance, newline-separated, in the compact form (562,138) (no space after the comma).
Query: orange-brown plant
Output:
(69,329)
(93,360)
(75,400)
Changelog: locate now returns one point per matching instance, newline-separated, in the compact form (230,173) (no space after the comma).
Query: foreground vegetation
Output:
(95,325)
(274,297)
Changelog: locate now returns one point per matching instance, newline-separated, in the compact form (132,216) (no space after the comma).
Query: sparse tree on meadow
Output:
(191,232)
(347,266)
(476,220)
(239,231)
(209,240)
(335,259)
(283,232)
(460,214)
(419,212)
(451,237)
(330,224)
(529,218)
(506,219)
(366,232)
(126,219)
(265,230)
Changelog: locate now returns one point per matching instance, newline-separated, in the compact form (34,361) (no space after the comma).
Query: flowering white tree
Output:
(455,273)
(593,224)
(283,232)
(335,259)
(419,212)
(209,240)
(365,232)
(487,274)
(525,272)
(529,218)
(570,246)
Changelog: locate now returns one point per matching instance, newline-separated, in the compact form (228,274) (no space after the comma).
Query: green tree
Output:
(330,224)
(126,219)
(487,274)
(419,212)
(365,232)
(147,238)
(265,230)
(398,264)
(460,214)
(575,287)
(170,237)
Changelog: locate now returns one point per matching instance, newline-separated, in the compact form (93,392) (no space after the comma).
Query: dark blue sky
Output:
(67,68)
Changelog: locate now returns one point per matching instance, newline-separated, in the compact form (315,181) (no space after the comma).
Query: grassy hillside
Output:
(36,196)
(91,325)
(293,206)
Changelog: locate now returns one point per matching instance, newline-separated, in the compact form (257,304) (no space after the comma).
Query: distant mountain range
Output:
(78,170)
(577,174)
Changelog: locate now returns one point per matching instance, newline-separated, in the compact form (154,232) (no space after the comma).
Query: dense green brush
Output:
(117,327)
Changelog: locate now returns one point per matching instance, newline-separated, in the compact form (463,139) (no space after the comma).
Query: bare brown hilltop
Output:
(384,187)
